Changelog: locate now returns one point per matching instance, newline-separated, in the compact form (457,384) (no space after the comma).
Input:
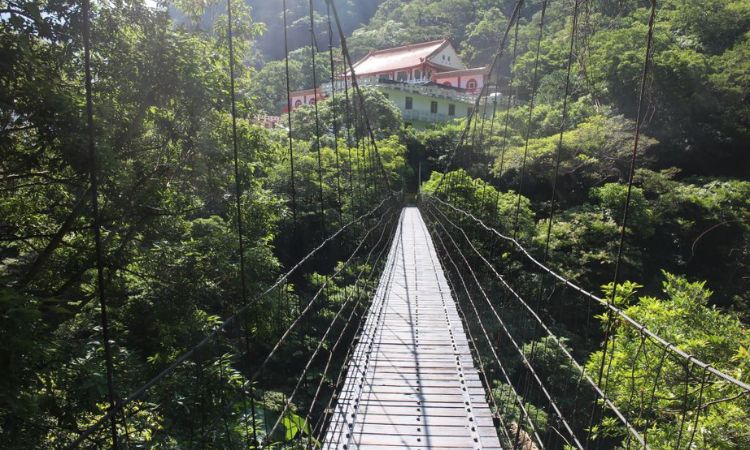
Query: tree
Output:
(269,84)
(383,117)
(497,208)
(653,391)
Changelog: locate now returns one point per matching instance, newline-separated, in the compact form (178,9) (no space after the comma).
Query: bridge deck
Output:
(412,382)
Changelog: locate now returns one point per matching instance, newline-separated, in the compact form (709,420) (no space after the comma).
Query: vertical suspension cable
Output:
(471,154)
(489,134)
(534,89)
(365,168)
(586,53)
(317,120)
(223,404)
(334,109)
(357,184)
(348,63)
(494,105)
(96,219)
(371,161)
(509,103)
(529,118)
(364,161)
(235,154)
(704,379)
(558,153)
(609,331)
(631,172)
(313,50)
(237,183)
(484,119)
(496,87)
(249,392)
(349,142)
(202,388)
(348,126)
(348,110)
(289,120)
(360,176)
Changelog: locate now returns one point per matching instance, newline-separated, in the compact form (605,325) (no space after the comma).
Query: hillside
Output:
(144,207)
(695,137)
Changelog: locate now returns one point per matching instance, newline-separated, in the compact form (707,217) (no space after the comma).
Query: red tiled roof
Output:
(397,58)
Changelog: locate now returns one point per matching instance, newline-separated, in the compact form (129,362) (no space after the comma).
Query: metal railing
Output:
(426,88)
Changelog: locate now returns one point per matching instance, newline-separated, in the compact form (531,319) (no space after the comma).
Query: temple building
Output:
(427,81)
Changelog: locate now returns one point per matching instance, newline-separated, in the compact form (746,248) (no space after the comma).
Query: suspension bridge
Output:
(446,351)
(422,367)
(412,381)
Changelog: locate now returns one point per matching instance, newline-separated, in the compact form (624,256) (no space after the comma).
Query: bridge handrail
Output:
(228,321)
(637,325)
(308,364)
(581,369)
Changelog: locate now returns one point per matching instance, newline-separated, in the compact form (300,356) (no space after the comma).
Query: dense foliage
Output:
(167,196)
(688,209)
(689,206)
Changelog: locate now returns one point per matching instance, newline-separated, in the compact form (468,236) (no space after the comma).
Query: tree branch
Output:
(57,238)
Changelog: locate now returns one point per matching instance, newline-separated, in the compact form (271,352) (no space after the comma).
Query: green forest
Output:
(198,209)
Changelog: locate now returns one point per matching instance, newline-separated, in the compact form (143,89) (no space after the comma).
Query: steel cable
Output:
(519,401)
(629,320)
(317,294)
(96,225)
(289,119)
(512,340)
(313,50)
(220,329)
(328,330)
(501,48)
(334,108)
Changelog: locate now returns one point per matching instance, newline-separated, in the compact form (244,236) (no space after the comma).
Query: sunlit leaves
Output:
(649,385)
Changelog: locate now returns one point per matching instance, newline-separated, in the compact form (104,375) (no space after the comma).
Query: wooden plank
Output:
(470,390)
(414,430)
(425,383)
(459,410)
(384,376)
(424,400)
(438,421)
(422,378)
(414,441)
(392,447)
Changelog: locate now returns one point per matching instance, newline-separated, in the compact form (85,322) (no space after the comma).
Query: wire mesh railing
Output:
(654,393)
(240,396)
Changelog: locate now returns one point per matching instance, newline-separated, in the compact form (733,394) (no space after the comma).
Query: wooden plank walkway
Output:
(412,382)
